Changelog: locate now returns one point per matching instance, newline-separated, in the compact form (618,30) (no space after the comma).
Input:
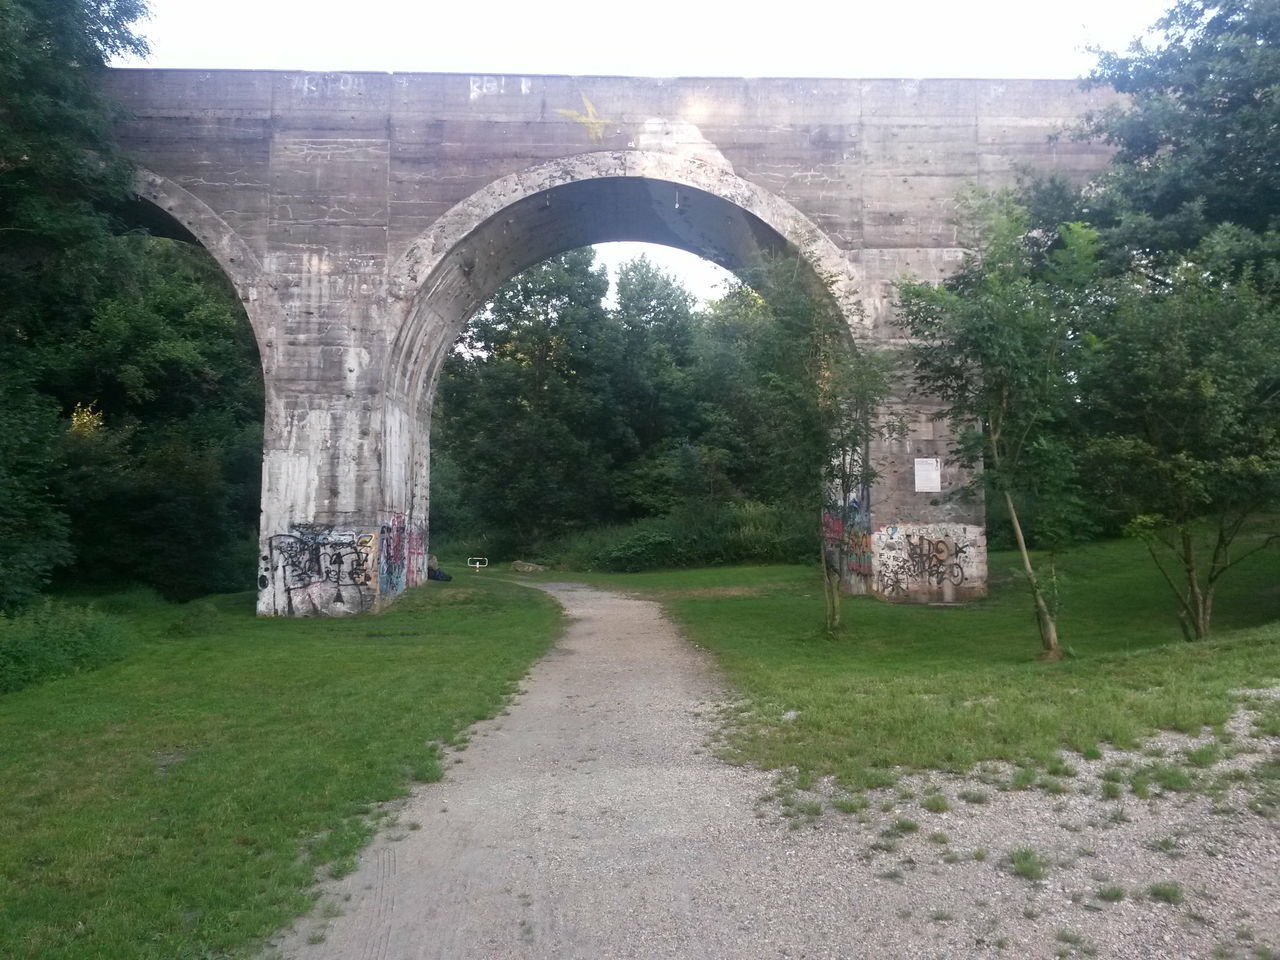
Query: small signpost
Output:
(475,563)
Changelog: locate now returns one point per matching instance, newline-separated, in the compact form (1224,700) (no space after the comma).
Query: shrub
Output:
(692,536)
(644,550)
(55,640)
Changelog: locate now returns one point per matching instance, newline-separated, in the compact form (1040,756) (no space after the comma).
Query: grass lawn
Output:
(946,687)
(180,802)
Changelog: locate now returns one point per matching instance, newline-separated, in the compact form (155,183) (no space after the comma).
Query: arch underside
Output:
(564,217)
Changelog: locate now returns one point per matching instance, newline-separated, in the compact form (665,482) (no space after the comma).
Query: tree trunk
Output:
(1044,616)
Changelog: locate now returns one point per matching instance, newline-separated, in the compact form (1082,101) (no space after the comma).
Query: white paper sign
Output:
(928,475)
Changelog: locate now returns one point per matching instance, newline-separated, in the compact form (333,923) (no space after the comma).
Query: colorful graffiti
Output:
(847,537)
(320,571)
(402,556)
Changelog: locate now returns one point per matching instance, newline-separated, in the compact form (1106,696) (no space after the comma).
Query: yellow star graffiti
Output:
(591,121)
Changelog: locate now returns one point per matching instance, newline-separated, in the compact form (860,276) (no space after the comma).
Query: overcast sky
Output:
(827,38)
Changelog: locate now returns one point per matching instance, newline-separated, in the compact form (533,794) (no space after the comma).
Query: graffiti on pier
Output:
(401,555)
(320,571)
(847,537)
(926,557)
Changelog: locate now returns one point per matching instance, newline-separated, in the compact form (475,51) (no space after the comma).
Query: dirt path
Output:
(592,822)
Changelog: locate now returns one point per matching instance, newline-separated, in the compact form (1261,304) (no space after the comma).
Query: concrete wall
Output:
(363,217)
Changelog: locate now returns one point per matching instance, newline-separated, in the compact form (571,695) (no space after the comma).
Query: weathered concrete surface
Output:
(363,217)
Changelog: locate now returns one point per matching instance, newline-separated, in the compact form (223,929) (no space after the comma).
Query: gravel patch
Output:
(594,821)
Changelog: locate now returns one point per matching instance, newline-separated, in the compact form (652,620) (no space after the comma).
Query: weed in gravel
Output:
(885,845)
(1031,913)
(1052,785)
(936,803)
(1167,891)
(1204,757)
(894,874)
(974,796)
(939,837)
(951,857)
(1266,800)
(1077,943)
(1173,778)
(1112,893)
(941,916)
(1118,815)
(1114,775)
(1093,752)
(1170,846)
(904,825)
(1111,790)
(979,854)
(851,804)
(1267,721)
(1027,863)
(1058,767)
(1024,778)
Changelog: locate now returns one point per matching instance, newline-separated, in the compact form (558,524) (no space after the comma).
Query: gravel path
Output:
(591,821)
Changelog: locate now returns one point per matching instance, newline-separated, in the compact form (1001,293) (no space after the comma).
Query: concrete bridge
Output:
(363,217)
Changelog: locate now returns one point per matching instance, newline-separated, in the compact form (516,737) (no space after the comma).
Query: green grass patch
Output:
(57,639)
(936,803)
(1167,892)
(944,688)
(1028,864)
(180,802)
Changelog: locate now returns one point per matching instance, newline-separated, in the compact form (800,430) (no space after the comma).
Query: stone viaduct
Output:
(363,217)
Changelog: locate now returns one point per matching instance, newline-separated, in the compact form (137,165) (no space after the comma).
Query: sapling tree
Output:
(994,346)
(1183,389)
(852,390)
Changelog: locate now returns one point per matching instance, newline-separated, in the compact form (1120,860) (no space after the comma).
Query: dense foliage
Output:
(996,345)
(1163,399)
(56,640)
(558,414)
(1197,140)
(130,399)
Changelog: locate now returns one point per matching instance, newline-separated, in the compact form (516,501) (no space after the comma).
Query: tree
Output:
(1196,140)
(1183,388)
(33,530)
(852,391)
(58,166)
(165,458)
(58,173)
(994,346)
(525,407)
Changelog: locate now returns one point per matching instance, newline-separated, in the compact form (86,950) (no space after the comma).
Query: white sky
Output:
(827,38)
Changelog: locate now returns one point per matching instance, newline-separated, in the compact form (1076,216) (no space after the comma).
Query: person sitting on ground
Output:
(433,570)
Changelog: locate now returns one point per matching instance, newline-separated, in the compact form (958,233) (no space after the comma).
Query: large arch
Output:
(447,274)
(688,202)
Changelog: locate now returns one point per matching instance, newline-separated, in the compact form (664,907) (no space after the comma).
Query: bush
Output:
(56,640)
(705,535)
(644,550)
